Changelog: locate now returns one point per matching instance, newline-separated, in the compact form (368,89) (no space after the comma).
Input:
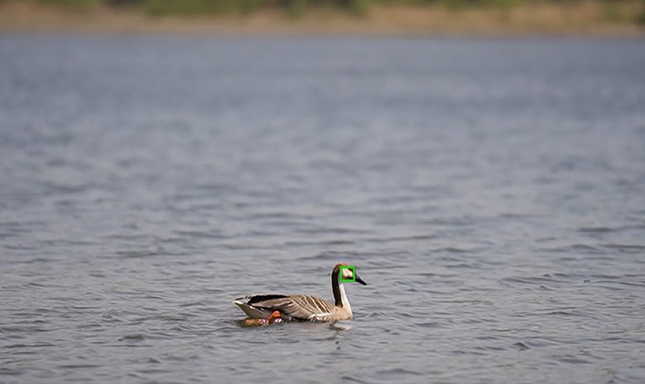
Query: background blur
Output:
(418,17)
(491,191)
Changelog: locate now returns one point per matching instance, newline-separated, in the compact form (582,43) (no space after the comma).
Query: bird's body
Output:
(293,308)
(303,307)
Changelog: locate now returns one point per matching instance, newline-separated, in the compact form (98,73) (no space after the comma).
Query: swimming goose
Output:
(303,307)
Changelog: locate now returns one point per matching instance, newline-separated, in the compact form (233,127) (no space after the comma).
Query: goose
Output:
(303,307)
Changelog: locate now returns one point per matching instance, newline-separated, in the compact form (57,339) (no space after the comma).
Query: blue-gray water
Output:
(491,193)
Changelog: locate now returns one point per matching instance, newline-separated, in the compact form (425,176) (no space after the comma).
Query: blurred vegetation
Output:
(73,4)
(640,19)
(614,10)
(294,8)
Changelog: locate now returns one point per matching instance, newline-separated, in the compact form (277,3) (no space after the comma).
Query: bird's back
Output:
(295,307)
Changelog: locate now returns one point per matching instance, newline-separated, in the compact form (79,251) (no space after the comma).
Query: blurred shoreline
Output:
(589,18)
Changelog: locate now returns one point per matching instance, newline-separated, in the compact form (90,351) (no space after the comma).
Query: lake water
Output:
(490,192)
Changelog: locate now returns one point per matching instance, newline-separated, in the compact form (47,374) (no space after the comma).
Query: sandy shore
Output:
(589,18)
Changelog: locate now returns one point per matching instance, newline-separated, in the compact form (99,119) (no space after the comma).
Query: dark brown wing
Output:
(298,307)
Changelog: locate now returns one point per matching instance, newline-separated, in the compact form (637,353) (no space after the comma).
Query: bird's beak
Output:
(359,280)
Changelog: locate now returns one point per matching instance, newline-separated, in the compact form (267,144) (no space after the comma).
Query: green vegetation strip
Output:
(359,8)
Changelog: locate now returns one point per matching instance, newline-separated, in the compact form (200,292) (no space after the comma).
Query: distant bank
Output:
(600,18)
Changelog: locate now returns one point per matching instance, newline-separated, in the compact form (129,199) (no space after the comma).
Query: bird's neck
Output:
(340,297)
(343,299)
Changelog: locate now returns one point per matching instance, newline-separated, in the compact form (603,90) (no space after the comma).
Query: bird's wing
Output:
(300,307)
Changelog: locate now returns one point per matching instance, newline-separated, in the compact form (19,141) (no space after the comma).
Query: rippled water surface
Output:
(491,193)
